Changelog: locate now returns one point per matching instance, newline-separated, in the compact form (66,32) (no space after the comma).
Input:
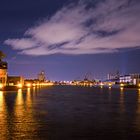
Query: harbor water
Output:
(70,113)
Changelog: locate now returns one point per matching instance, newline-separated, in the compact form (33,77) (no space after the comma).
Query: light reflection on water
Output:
(3,117)
(137,119)
(122,105)
(71,113)
(25,124)
(1,101)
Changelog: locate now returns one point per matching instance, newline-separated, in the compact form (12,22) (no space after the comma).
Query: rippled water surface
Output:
(70,113)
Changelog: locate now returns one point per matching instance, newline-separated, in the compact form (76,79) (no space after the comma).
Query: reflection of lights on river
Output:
(121,95)
(24,113)
(122,105)
(137,118)
(1,100)
(34,90)
(4,117)
(1,86)
(19,99)
(139,95)
(28,96)
(19,85)
(28,90)
(121,89)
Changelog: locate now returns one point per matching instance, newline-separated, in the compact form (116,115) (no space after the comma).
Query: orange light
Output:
(1,86)
(110,84)
(28,85)
(19,85)
(121,85)
(34,84)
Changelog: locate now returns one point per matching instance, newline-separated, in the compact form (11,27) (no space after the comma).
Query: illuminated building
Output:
(3,72)
(125,79)
(15,81)
(130,79)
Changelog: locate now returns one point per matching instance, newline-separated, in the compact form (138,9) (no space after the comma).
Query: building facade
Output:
(3,73)
(15,80)
(130,79)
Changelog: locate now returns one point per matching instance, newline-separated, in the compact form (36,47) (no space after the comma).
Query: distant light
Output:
(28,85)
(19,85)
(1,86)
(121,85)
(110,84)
(101,84)
(34,84)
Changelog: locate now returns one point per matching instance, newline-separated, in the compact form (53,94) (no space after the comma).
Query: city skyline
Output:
(68,39)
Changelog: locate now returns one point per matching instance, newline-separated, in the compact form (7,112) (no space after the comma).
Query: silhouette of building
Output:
(113,76)
(3,72)
(15,80)
(41,76)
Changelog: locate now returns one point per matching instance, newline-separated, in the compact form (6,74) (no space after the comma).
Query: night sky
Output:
(70,38)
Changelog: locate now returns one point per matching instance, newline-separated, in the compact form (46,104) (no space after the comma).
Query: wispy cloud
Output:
(106,26)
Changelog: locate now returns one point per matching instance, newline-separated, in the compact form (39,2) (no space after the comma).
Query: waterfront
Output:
(70,113)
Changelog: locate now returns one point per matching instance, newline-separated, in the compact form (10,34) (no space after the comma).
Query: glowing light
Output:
(101,84)
(121,85)
(28,85)
(110,84)
(19,85)
(34,84)
(1,86)
(19,99)
(1,101)
(139,85)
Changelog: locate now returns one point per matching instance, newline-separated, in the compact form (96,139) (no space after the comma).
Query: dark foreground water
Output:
(70,113)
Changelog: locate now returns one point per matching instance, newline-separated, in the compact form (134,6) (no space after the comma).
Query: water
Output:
(70,113)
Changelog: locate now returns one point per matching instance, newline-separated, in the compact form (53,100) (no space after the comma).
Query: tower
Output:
(41,76)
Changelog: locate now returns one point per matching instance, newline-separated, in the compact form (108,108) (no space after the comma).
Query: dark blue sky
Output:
(69,38)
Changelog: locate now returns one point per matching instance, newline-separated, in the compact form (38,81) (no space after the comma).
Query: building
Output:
(125,79)
(130,79)
(15,80)
(3,72)
(113,76)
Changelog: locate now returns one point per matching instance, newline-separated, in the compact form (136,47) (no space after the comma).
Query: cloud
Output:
(21,44)
(106,26)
